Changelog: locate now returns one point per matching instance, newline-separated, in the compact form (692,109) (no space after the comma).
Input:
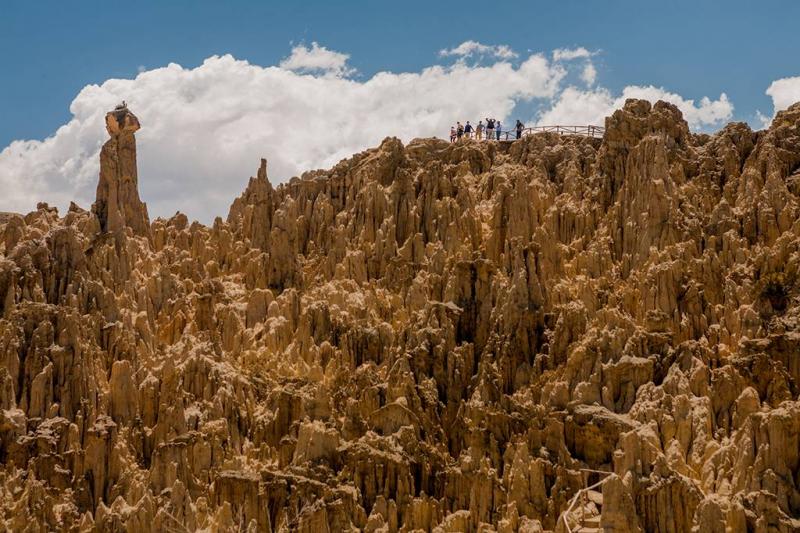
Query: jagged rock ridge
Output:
(425,337)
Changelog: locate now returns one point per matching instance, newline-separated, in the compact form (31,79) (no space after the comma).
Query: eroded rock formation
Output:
(432,337)
(118,204)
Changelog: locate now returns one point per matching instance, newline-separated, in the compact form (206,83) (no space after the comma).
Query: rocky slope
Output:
(425,337)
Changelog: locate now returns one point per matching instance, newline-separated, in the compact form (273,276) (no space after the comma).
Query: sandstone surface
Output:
(431,337)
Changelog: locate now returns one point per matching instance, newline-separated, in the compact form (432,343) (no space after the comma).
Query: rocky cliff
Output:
(437,337)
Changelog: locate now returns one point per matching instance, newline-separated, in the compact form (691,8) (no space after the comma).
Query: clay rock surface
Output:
(118,204)
(430,337)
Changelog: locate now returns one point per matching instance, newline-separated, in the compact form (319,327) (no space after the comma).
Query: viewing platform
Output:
(584,131)
(595,132)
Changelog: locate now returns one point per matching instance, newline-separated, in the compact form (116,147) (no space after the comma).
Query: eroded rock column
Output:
(117,204)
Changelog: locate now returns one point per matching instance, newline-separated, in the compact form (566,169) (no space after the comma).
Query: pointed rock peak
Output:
(259,194)
(789,117)
(639,118)
(385,161)
(117,203)
(391,144)
(259,187)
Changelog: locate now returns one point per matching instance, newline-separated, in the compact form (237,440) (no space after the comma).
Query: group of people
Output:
(491,130)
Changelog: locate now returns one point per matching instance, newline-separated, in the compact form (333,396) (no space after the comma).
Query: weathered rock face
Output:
(426,337)
(118,204)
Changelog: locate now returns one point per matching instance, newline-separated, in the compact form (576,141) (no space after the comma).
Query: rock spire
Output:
(117,204)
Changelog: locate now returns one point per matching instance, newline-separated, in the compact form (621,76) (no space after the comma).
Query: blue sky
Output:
(278,93)
(51,49)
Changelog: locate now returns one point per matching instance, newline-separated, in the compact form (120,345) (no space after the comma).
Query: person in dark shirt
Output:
(520,126)
(468,130)
(459,130)
(489,129)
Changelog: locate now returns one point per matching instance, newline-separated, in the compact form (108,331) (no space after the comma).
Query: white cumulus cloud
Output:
(576,107)
(317,60)
(784,92)
(568,54)
(474,48)
(762,120)
(589,74)
(204,128)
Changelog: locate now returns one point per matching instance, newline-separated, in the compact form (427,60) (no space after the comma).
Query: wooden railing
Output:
(582,495)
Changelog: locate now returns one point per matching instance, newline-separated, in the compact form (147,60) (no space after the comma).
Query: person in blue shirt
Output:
(498,128)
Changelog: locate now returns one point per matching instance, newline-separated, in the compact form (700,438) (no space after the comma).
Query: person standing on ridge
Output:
(459,130)
(468,130)
(452,134)
(498,128)
(520,126)
(489,128)
(479,130)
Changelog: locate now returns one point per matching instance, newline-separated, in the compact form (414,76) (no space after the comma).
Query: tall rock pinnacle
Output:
(117,203)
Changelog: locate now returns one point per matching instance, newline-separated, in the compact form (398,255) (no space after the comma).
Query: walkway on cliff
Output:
(584,131)
(596,132)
